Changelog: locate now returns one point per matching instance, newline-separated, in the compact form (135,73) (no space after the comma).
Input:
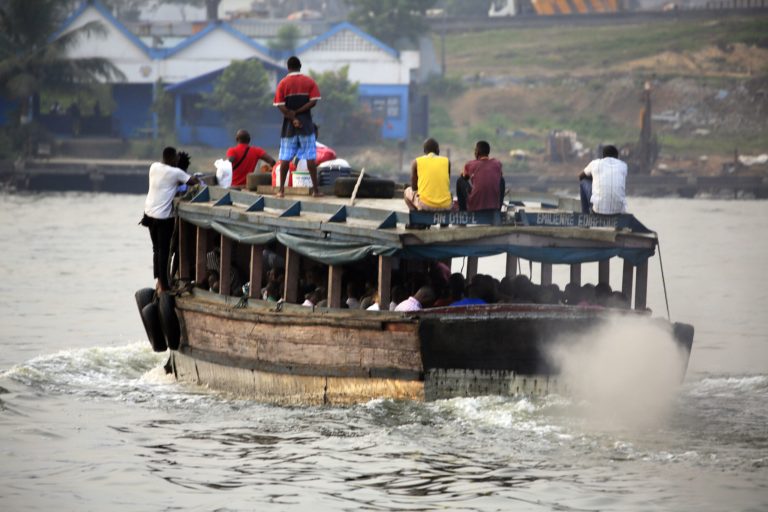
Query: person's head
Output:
(274,290)
(293,64)
(426,296)
(572,294)
(610,152)
(170,157)
(456,285)
(482,148)
(602,292)
(399,293)
(482,287)
(243,137)
(431,146)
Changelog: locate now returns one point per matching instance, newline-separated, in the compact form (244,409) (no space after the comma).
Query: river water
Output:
(88,420)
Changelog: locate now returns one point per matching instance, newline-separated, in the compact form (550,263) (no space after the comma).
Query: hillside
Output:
(709,78)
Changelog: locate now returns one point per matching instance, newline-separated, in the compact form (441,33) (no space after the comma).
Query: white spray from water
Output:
(625,371)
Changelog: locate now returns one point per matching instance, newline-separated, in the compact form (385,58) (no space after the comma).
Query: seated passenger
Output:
(481,184)
(430,180)
(423,298)
(608,176)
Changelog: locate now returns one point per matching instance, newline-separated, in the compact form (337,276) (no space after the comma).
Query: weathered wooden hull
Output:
(296,355)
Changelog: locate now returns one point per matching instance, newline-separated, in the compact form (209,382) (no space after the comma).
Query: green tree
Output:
(30,61)
(389,20)
(341,117)
(287,38)
(241,94)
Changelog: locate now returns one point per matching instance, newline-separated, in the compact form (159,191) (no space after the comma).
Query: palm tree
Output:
(33,57)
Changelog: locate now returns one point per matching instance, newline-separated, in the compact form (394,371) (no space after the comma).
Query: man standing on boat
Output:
(430,180)
(481,184)
(608,177)
(244,158)
(295,96)
(164,179)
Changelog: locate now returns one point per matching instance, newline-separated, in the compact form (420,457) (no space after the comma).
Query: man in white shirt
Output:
(164,179)
(424,298)
(608,191)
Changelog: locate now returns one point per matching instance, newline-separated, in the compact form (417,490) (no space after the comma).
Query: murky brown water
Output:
(90,422)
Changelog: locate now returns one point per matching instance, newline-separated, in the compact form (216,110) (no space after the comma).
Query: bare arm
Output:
(287,113)
(414,177)
(268,159)
(305,107)
(193,180)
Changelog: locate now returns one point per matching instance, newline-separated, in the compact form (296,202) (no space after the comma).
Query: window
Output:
(383,106)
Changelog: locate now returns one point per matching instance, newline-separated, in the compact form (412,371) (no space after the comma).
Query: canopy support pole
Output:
(257,268)
(641,289)
(604,272)
(334,285)
(290,290)
(225,264)
(471,267)
(186,235)
(385,281)
(546,274)
(200,253)
(576,273)
(626,280)
(511,265)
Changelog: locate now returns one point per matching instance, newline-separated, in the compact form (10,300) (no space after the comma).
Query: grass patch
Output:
(566,49)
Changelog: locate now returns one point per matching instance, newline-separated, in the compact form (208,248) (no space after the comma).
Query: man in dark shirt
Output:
(481,184)
(295,96)
(244,158)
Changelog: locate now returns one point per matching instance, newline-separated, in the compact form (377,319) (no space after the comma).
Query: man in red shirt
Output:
(481,185)
(295,96)
(244,158)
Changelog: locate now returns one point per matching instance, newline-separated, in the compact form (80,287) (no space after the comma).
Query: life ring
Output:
(169,322)
(151,319)
(369,187)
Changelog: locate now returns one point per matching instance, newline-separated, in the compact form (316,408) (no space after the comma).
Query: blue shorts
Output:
(302,146)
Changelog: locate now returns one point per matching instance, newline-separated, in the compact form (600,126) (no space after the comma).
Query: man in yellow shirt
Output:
(430,180)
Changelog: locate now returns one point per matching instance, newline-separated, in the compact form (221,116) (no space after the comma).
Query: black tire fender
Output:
(169,322)
(151,319)
(144,297)
(369,188)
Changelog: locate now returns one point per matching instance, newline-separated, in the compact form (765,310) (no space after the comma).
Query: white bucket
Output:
(302,179)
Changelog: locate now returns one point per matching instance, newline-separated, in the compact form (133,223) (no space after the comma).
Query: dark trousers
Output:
(161,233)
(464,187)
(585,191)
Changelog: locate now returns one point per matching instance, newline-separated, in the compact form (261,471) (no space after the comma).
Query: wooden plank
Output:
(546,274)
(641,288)
(384,284)
(471,267)
(335,273)
(257,270)
(604,272)
(576,274)
(201,251)
(291,288)
(511,265)
(225,266)
(626,280)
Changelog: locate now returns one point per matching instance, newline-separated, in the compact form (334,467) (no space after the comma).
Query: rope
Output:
(663,281)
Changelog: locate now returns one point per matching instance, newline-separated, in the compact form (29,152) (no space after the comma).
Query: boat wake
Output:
(627,370)
(128,373)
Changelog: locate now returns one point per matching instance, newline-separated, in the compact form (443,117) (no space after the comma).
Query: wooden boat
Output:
(287,353)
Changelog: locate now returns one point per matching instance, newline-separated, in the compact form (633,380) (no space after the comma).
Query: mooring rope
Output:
(663,280)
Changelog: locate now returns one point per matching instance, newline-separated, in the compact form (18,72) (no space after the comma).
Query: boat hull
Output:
(295,355)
